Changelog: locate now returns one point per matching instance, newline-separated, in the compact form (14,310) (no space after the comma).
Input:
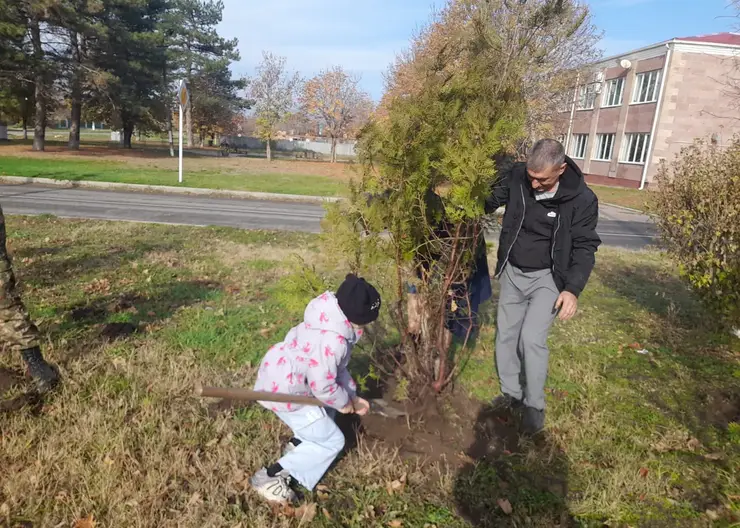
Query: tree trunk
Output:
(39,131)
(75,96)
(333,149)
(25,125)
(170,139)
(74,127)
(189,123)
(168,113)
(202,138)
(189,109)
(128,131)
(269,150)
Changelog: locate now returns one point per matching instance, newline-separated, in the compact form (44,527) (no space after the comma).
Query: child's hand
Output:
(347,409)
(362,407)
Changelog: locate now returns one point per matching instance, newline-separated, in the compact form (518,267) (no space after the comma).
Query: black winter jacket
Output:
(573,241)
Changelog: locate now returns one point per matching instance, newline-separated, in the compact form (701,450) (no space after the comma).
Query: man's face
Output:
(545,180)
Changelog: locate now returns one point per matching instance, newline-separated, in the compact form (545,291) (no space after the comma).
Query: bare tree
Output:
(548,42)
(273,91)
(334,100)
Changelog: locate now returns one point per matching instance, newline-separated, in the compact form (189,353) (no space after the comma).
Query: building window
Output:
(604,147)
(635,148)
(586,97)
(646,87)
(613,93)
(579,146)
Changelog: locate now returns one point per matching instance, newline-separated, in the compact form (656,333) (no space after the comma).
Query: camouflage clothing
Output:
(16,328)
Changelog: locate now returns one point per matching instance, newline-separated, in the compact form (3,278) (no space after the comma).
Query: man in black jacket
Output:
(545,256)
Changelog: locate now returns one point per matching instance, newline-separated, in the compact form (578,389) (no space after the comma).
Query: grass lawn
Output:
(136,314)
(632,198)
(154,167)
(147,166)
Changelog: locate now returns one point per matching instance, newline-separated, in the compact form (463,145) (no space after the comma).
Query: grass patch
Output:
(135,314)
(631,198)
(205,178)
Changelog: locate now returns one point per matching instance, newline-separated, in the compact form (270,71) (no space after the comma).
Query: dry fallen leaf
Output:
(305,513)
(98,286)
(326,514)
(505,506)
(693,444)
(395,524)
(86,522)
(644,472)
(397,486)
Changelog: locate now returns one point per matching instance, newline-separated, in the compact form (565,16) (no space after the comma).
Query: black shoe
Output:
(533,421)
(43,373)
(506,402)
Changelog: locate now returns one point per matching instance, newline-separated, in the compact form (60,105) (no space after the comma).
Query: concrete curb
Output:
(623,208)
(110,186)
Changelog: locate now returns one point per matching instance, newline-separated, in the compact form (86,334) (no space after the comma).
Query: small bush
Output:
(698,214)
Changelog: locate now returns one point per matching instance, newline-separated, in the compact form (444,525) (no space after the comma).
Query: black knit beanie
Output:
(359,300)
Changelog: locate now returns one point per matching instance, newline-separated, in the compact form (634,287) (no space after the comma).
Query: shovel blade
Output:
(381,407)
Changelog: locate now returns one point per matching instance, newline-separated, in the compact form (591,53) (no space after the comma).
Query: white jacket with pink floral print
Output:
(312,359)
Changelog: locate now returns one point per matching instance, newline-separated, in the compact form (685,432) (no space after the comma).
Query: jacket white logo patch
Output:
(552,214)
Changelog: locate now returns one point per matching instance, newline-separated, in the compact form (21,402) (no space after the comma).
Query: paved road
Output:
(616,227)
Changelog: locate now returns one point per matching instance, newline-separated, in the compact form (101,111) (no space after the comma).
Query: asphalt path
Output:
(617,228)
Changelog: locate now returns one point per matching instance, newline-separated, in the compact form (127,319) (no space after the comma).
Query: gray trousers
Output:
(526,311)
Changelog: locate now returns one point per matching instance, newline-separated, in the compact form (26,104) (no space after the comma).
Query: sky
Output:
(364,36)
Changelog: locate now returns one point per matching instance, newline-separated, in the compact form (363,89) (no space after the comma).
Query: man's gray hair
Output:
(545,154)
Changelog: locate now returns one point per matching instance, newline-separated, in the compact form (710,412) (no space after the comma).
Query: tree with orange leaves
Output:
(334,100)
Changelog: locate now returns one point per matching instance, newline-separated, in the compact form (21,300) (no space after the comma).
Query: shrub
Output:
(698,215)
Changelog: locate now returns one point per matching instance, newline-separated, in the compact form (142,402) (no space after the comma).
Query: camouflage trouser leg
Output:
(17,331)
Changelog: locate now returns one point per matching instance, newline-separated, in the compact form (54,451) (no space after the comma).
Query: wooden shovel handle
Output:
(230,393)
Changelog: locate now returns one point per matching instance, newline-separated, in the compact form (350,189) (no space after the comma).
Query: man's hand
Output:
(362,407)
(347,409)
(567,303)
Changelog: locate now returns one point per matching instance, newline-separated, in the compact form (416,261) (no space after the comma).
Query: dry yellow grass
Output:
(632,438)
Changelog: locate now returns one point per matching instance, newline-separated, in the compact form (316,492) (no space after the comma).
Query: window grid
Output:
(604,147)
(635,148)
(586,97)
(579,146)
(646,87)
(614,92)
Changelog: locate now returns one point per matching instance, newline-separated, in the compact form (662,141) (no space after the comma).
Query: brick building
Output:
(643,106)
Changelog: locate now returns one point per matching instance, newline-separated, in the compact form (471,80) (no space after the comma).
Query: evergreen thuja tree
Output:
(417,213)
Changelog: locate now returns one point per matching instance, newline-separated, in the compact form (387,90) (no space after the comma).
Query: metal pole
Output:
(656,117)
(572,113)
(180,161)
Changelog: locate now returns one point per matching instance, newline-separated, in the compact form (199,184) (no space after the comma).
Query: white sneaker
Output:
(273,489)
(290,446)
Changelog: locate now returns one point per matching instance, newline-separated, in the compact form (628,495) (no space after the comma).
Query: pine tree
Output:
(195,50)
(130,58)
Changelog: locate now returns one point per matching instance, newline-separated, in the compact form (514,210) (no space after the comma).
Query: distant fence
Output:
(346,149)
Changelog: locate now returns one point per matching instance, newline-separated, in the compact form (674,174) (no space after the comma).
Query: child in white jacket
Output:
(312,360)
